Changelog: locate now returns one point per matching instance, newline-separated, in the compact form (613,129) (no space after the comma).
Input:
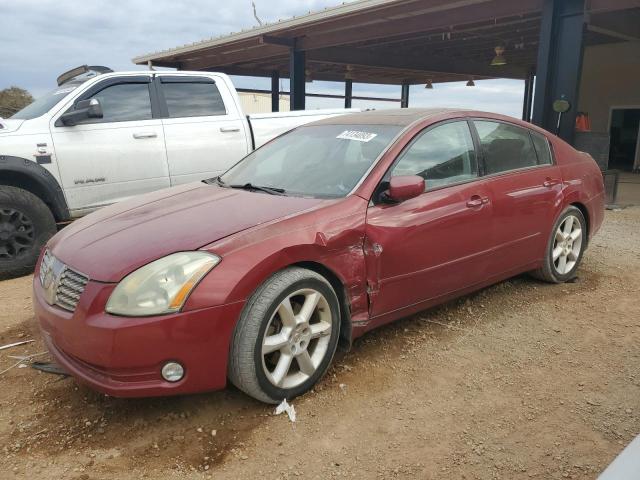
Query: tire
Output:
(26,224)
(266,323)
(552,269)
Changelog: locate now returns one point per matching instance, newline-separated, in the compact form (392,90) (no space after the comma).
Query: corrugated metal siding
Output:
(261,102)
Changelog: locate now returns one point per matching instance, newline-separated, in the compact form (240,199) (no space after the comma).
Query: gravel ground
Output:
(521,380)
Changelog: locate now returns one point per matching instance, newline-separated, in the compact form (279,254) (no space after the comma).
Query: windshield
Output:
(314,160)
(43,104)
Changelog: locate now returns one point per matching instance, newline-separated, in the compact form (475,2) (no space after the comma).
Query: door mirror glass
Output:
(83,110)
(404,187)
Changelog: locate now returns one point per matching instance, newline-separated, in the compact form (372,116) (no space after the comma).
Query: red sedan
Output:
(324,233)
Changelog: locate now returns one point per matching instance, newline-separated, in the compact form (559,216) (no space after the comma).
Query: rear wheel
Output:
(286,336)
(26,224)
(564,248)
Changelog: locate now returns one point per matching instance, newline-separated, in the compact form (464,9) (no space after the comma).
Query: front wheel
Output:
(564,248)
(286,336)
(26,224)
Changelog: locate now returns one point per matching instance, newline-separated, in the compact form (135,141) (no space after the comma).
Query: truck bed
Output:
(265,126)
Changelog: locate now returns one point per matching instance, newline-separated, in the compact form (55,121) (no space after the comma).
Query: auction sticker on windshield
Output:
(357,135)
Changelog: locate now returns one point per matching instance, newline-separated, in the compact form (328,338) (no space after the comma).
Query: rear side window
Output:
(123,102)
(197,99)
(543,151)
(505,147)
(442,155)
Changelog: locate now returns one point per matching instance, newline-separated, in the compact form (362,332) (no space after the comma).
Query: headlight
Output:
(161,286)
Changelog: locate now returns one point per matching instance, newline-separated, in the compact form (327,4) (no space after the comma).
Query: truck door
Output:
(204,131)
(108,159)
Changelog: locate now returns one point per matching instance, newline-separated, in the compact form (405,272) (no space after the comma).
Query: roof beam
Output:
(613,34)
(616,25)
(444,18)
(271,40)
(352,56)
(246,55)
(611,5)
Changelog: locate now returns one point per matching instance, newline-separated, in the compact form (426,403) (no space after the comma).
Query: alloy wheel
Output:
(567,245)
(17,233)
(297,338)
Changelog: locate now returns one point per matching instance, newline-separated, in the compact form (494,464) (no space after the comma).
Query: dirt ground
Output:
(521,380)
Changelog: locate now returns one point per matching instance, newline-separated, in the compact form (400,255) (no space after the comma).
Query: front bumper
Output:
(123,356)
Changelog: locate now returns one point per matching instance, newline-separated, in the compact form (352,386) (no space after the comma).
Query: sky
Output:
(42,38)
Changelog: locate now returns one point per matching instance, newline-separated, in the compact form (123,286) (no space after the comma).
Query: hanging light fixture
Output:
(429,85)
(471,83)
(499,59)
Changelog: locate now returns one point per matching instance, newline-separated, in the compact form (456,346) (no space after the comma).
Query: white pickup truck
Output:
(102,137)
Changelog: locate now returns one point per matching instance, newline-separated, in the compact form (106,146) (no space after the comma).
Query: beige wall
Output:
(261,102)
(610,77)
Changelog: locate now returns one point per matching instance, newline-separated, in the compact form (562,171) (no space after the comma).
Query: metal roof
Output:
(391,41)
(265,28)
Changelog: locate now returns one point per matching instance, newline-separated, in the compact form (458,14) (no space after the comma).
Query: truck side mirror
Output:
(84,109)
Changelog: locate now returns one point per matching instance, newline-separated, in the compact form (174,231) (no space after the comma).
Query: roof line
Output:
(296,21)
(269,27)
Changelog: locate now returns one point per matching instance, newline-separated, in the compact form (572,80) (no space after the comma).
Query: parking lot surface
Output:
(520,380)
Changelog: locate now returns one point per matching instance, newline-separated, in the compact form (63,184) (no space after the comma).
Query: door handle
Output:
(139,135)
(229,129)
(550,182)
(476,201)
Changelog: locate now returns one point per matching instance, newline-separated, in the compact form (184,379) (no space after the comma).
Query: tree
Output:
(13,99)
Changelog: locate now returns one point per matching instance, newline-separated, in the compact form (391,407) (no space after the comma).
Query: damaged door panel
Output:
(426,247)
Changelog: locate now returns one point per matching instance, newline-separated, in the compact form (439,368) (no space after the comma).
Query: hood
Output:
(8,125)
(112,242)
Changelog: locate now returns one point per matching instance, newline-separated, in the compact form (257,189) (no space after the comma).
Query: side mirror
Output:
(84,109)
(404,187)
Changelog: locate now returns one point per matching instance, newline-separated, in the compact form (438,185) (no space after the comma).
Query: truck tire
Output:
(26,224)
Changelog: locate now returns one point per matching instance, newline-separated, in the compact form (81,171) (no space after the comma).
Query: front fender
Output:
(332,237)
(22,173)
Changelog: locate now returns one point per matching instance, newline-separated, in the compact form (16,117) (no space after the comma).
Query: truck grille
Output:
(70,287)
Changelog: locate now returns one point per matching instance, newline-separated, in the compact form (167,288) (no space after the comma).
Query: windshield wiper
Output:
(249,186)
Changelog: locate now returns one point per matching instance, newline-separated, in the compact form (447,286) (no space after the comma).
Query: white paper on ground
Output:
(286,407)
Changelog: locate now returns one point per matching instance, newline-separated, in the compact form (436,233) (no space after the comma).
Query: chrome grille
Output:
(70,286)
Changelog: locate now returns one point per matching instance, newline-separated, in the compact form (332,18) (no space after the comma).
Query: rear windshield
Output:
(43,104)
(314,160)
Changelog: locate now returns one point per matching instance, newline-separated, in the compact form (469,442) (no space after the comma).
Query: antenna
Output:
(255,14)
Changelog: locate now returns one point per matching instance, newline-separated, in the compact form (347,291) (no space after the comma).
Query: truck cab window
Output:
(123,102)
(197,99)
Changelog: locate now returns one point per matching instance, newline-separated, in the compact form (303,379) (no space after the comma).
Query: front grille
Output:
(70,287)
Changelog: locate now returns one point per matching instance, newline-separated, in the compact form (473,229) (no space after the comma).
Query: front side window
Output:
(505,147)
(314,160)
(442,155)
(193,99)
(123,102)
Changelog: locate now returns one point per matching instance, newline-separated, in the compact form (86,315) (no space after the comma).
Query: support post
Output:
(404,97)
(275,91)
(296,79)
(559,65)
(348,93)
(528,96)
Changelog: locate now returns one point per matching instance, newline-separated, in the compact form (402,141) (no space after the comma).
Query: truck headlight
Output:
(161,286)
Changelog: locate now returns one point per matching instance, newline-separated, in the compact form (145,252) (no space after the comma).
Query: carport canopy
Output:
(406,42)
